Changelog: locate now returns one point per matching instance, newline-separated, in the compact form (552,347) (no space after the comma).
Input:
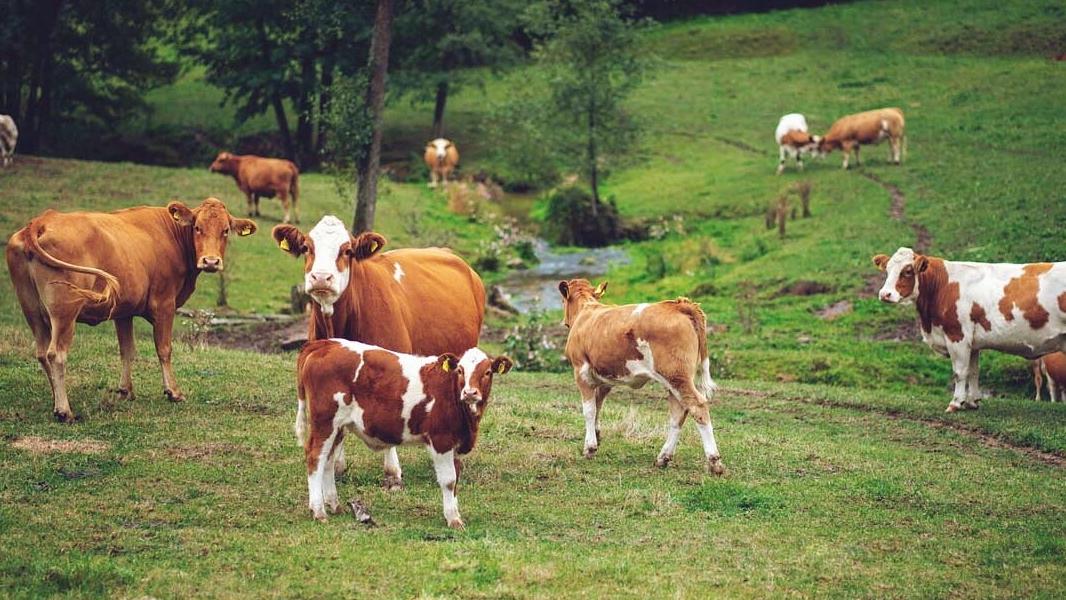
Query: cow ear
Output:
(600,289)
(502,364)
(180,213)
(244,227)
(289,238)
(921,263)
(881,261)
(564,289)
(448,362)
(367,244)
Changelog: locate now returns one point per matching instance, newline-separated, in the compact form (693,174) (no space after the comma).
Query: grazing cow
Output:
(387,399)
(9,136)
(1053,367)
(262,177)
(966,307)
(793,140)
(396,300)
(94,267)
(665,342)
(870,127)
(441,157)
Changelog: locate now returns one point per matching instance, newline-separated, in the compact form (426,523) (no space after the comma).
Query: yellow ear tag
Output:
(500,369)
(284,244)
(446,366)
(373,248)
(247,231)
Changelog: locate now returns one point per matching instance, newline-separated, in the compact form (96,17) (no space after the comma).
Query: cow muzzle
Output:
(471,396)
(889,296)
(211,264)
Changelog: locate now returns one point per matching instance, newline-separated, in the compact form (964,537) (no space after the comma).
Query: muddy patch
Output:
(40,445)
(267,337)
(835,310)
(897,211)
(803,288)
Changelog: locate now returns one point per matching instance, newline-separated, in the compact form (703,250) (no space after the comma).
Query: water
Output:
(539,286)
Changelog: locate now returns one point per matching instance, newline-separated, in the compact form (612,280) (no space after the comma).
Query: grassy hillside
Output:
(845,478)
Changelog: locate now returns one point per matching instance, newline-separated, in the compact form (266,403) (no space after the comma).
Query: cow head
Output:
(328,251)
(223,163)
(823,146)
(439,147)
(813,147)
(901,283)
(477,370)
(211,226)
(576,293)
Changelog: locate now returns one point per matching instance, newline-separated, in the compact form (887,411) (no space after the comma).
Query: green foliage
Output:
(570,219)
(534,344)
(526,153)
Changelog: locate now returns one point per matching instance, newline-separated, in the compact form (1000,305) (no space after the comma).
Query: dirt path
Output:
(897,211)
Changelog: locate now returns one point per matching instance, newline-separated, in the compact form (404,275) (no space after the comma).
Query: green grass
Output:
(845,480)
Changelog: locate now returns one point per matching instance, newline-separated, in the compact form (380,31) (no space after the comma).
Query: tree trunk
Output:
(306,108)
(325,96)
(38,101)
(438,109)
(283,124)
(593,175)
(368,164)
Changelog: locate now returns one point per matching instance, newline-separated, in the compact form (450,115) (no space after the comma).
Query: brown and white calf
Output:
(1053,368)
(633,344)
(388,399)
(441,157)
(793,140)
(967,307)
(870,127)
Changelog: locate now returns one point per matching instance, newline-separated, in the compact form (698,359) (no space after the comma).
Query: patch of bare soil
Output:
(208,450)
(738,144)
(835,310)
(40,445)
(268,337)
(803,287)
(898,212)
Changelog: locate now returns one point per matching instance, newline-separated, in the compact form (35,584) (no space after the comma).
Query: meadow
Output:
(845,478)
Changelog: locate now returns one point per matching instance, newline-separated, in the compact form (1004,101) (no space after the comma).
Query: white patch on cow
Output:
(585,373)
(640,308)
(469,363)
(397,273)
(444,465)
(328,236)
(301,422)
(643,369)
(896,264)
(440,146)
(429,405)
(790,122)
(411,367)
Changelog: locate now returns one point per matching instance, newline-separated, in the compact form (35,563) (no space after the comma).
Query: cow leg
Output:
(858,163)
(973,387)
(444,465)
(601,393)
(126,350)
(673,431)
(340,460)
(162,331)
(256,198)
(846,148)
(393,472)
(799,159)
(589,407)
(329,478)
(432,178)
(781,159)
(283,196)
(317,452)
(960,366)
(249,197)
(1038,378)
(696,405)
(1053,390)
(62,324)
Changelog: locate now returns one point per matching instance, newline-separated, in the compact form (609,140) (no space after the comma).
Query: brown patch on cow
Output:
(905,282)
(40,445)
(977,315)
(379,393)
(938,299)
(612,362)
(796,138)
(1022,291)
(1062,302)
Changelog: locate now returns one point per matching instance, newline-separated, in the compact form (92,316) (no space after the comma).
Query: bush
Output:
(533,346)
(569,219)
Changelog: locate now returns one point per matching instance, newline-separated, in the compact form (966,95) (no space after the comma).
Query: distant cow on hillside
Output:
(9,136)
(966,307)
(870,127)
(441,157)
(262,177)
(793,140)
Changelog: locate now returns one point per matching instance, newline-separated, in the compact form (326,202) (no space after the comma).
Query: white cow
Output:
(9,136)
(793,141)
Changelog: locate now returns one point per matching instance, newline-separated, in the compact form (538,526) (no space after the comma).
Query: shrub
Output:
(533,346)
(569,219)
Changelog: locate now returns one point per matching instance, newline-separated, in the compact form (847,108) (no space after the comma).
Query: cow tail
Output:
(704,382)
(109,296)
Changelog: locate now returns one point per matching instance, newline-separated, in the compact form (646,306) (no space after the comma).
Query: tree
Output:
(83,63)
(589,52)
(368,164)
(438,44)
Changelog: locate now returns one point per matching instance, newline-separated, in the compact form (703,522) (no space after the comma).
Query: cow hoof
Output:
(457,524)
(715,467)
(64,417)
(663,461)
(590,452)
(123,394)
(951,408)
(174,396)
(393,484)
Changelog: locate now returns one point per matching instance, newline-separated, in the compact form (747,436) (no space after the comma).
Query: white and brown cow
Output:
(967,307)
(1053,368)
(387,399)
(793,140)
(9,136)
(633,344)
(441,157)
(870,127)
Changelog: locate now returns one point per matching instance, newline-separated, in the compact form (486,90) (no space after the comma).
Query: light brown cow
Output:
(1053,368)
(387,399)
(633,344)
(441,157)
(93,267)
(870,127)
(262,177)
(421,301)
(9,137)
(966,307)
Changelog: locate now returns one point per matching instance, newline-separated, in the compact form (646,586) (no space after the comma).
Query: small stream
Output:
(539,286)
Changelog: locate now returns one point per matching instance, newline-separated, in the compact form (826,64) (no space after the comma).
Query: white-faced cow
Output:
(9,136)
(92,267)
(423,301)
(387,399)
(870,127)
(793,140)
(441,157)
(259,177)
(966,307)
(1053,368)
(633,344)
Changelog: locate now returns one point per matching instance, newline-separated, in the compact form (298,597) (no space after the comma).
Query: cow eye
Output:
(198,230)
(225,231)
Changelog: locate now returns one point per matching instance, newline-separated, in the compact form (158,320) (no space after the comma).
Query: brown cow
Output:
(387,399)
(1053,367)
(632,344)
(419,301)
(441,157)
(262,177)
(94,267)
(870,127)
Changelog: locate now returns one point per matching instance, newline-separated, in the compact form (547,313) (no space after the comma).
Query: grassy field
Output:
(845,477)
